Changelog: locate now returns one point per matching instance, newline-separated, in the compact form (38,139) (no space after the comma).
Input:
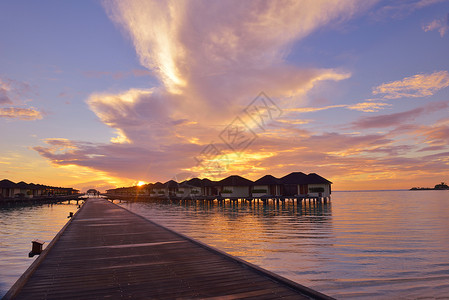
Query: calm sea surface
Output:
(20,225)
(363,245)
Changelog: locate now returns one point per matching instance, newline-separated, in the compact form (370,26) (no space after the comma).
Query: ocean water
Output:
(361,245)
(19,225)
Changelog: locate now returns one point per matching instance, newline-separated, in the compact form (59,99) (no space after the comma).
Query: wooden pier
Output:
(105,251)
(39,200)
(219,199)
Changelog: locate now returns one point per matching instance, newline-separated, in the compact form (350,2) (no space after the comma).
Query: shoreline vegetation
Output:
(440,186)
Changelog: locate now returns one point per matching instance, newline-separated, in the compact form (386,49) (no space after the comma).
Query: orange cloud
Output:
(419,85)
(12,92)
(212,59)
(368,106)
(362,106)
(313,109)
(436,134)
(27,114)
(209,68)
(186,41)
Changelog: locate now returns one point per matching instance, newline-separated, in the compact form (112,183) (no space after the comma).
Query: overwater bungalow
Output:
(294,185)
(209,188)
(190,188)
(235,186)
(267,185)
(37,189)
(171,188)
(24,189)
(9,189)
(302,185)
(146,188)
(158,189)
(122,191)
(318,186)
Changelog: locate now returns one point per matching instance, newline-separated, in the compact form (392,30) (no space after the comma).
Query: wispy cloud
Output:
(60,144)
(442,25)
(12,92)
(294,122)
(187,41)
(436,134)
(400,9)
(434,148)
(313,109)
(396,119)
(368,106)
(420,85)
(122,160)
(211,59)
(4,97)
(27,114)
(362,106)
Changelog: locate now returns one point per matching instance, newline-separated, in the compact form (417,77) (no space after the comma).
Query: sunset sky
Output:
(105,94)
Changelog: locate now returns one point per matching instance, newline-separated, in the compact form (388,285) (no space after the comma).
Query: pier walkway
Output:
(105,251)
(39,200)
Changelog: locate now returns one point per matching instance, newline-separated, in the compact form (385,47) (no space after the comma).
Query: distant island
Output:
(441,186)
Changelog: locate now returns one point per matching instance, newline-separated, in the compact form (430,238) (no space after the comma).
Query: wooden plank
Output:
(107,251)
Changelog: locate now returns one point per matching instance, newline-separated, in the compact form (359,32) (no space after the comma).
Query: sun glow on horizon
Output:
(140,183)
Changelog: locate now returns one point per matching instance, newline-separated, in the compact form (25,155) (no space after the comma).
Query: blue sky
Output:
(104,94)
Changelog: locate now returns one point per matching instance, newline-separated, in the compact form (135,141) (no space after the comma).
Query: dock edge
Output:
(17,286)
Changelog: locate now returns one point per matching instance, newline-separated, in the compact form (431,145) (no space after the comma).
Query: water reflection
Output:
(21,224)
(280,236)
(313,208)
(362,245)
